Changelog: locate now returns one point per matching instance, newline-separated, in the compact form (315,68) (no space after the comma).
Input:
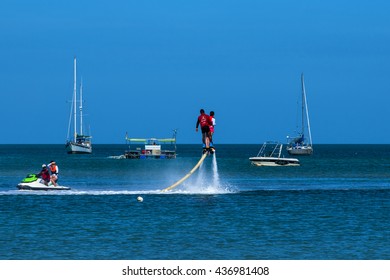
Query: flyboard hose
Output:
(188,174)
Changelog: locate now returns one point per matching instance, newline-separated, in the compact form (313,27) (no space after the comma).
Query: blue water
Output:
(336,205)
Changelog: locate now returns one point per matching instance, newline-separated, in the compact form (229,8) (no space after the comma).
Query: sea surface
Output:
(336,205)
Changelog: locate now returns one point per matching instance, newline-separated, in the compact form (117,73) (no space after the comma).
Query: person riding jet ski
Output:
(44,175)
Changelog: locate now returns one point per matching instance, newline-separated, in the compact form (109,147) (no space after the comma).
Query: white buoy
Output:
(140,199)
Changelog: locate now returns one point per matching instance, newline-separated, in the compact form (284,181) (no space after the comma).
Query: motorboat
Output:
(270,154)
(33,183)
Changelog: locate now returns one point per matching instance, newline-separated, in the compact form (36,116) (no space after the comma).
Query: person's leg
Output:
(205,133)
(53,180)
(207,141)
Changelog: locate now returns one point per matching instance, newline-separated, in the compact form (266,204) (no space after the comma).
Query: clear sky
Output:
(149,66)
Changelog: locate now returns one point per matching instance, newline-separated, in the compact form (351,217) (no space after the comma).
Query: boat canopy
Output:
(151,140)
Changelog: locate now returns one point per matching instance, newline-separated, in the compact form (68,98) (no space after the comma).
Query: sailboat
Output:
(298,145)
(81,143)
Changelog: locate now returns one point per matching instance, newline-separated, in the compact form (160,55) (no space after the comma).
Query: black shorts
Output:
(205,129)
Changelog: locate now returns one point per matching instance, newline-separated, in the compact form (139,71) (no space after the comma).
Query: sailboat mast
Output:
(74,100)
(81,107)
(307,112)
(303,105)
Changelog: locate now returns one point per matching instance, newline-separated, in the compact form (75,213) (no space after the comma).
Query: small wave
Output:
(209,190)
(79,192)
(203,188)
(117,157)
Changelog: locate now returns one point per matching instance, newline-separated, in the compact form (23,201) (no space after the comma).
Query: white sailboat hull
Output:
(74,148)
(303,150)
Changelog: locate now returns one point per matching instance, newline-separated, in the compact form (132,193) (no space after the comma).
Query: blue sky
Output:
(149,66)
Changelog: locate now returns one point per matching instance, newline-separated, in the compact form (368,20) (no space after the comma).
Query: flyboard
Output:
(188,174)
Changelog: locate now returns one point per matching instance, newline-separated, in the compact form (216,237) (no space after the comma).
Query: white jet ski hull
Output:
(37,186)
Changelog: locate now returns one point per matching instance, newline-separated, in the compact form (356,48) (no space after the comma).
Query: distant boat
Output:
(81,143)
(270,154)
(151,148)
(297,145)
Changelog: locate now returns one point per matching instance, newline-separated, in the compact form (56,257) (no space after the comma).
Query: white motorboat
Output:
(297,145)
(33,183)
(81,143)
(270,154)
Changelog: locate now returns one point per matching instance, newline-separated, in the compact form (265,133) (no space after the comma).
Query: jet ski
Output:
(32,182)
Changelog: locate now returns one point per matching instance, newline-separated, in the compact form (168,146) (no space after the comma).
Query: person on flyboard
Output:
(205,122)
(212,127)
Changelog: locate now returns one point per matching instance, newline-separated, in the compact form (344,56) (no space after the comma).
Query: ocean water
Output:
(336,205)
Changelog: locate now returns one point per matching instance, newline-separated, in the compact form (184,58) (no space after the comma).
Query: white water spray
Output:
(215,171)
(201,176)
(207,180)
